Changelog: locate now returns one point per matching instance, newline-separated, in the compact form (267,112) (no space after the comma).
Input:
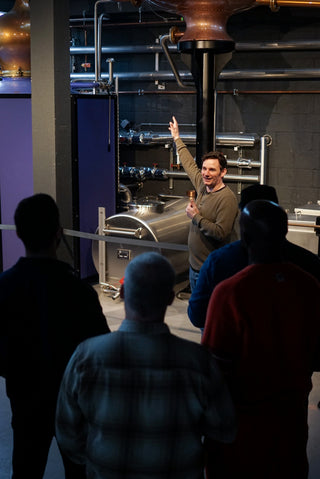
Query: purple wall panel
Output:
(96,168)
(16,170)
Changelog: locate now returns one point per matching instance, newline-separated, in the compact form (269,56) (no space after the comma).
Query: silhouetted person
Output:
(137,402)
(228,260)
(45,313)
(263,324)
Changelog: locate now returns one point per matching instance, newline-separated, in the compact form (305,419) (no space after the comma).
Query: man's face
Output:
(212,175)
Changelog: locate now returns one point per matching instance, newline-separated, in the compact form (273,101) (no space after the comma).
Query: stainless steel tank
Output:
(148,220)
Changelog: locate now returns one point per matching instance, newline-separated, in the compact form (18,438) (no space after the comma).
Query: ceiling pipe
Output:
(276,4)
(225,75)
(97,34)
(303,45)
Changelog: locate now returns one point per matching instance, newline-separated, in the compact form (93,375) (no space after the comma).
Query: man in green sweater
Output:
(213,214)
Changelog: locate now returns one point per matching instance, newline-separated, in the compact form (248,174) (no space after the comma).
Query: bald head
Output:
(263,226)
(148,287)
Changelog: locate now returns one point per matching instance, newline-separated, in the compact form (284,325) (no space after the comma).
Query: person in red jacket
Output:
(263,324)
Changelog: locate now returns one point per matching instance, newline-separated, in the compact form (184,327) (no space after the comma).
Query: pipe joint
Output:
(274,7)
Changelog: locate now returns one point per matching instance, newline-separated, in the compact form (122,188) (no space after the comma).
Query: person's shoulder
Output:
(303,258)
(302,274)
(12,273)
(226,252)
(194,357)
(228,192)
(238,280)
(189,350)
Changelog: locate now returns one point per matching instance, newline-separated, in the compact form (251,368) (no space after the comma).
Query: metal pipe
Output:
(128,24)
(227,177)
(237,92)
(244,163)
(135,233)
(110,63)
(303,45)
(78,85)
(203,70)
(125,49)
(274,4)
(98,53)
(163,41)
(222,139)
(214,133)
(274,74)
(134,76)
(96,39)
(264,141)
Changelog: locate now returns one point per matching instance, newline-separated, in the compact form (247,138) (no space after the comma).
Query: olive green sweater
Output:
(214,225)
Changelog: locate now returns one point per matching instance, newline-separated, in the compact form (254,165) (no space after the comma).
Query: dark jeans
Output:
(33,431)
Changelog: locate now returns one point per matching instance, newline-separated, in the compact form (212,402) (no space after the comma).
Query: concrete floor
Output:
(180,325)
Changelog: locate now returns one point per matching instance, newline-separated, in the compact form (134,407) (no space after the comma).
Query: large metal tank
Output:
(146,220)
(303,227)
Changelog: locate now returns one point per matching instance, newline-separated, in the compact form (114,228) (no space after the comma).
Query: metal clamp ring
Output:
(274,7)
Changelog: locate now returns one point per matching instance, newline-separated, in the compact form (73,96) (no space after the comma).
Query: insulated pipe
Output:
(228,177)
(304,45)
(274,74)
(222,139)
(142,173)
(80,85)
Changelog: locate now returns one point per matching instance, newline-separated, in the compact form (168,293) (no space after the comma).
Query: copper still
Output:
(15,41)
(205,37)
(205,20)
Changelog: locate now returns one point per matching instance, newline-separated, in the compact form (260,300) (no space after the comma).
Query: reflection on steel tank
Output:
(15,41)
(148,220)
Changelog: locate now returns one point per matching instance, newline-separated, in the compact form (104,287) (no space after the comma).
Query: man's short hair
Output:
(215,155)
(37,221)
(263,221)
(257,192)
(148,283)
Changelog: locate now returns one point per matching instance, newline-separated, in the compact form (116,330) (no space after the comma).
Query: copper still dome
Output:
(15,40)
(205,19)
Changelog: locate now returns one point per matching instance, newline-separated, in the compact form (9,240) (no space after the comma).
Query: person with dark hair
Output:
(213,214)
(230,259)
(46,311)
(266,336)
(37,222)
(139,401)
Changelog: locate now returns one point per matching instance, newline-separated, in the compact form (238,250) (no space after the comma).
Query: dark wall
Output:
(287,110)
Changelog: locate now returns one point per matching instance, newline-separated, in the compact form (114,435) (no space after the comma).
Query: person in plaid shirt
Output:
(140,402)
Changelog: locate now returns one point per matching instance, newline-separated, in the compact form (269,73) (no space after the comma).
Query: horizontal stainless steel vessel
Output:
(154,221)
